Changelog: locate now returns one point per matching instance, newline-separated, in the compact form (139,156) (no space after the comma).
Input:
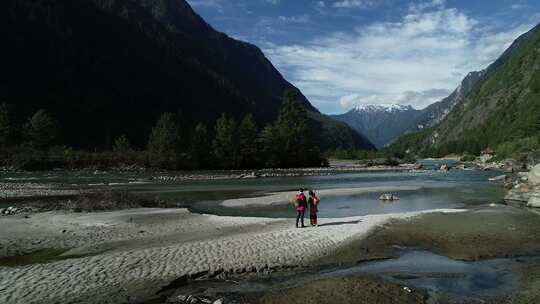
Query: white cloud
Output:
(518,6)
(351,4)
(416,60)
(294,19)
(280,24)
(319,6)
(419,6)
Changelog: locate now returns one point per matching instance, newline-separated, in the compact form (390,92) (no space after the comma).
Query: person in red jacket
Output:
(301,206)
(313,202)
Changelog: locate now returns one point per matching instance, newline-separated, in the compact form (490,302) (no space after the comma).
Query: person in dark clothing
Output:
(301,206)
(313,208)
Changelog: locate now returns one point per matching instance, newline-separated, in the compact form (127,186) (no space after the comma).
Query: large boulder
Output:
(534,175)
(533,158)
(518,195)
(534,200)
(388,197)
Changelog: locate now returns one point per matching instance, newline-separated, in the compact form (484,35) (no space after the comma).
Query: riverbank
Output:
(15,190)
(128,256)
(132,254)
(140,175)
(151,255)
(482,233)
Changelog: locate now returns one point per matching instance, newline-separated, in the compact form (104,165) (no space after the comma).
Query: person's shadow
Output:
(340,223)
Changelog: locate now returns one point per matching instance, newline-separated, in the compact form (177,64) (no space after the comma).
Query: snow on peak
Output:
(381,108)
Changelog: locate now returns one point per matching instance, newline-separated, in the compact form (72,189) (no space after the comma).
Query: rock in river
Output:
(498,178)
(534,175)
(388,197)
(444,168)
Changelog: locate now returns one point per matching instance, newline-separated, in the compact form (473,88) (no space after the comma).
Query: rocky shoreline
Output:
(524,188)
(14,190)
(266,173)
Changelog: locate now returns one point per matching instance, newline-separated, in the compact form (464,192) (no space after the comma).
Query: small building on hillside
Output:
(487,154)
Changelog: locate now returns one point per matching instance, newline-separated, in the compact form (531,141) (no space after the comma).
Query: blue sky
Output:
(342,53)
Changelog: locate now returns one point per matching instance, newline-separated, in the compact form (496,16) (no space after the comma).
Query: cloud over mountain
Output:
(417,59)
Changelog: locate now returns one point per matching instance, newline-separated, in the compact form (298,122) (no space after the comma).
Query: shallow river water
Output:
(413,269)
(454,189)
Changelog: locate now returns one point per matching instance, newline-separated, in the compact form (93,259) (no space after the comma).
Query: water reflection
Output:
(426,270)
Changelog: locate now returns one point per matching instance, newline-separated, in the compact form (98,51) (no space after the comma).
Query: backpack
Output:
(300,199)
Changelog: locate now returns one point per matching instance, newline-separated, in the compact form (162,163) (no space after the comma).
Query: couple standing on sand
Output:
(302,203)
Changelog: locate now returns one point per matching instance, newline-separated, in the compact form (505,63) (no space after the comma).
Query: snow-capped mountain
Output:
(381,124)
(382,108)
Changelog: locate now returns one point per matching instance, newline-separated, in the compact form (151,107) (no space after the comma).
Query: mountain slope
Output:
(502,111)
(436,112)
(380,124)
(108,67)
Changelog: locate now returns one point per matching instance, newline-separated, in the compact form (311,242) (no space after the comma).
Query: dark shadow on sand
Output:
(339,223)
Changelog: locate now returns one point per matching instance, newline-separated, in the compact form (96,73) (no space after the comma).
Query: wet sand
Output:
(137,252)
(483,233)
(367,289)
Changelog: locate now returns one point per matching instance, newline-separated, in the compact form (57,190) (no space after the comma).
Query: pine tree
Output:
(122,144)
(224,145)
(5,125)
(294,133)
(164,141)
(41,130)
(270,147)
(247,142)
(200,147)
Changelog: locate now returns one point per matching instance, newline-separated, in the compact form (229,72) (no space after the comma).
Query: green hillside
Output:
(107,68)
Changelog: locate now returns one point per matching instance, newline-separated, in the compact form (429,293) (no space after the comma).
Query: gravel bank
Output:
(11,190)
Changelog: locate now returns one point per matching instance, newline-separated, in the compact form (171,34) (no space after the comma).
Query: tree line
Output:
(227,144)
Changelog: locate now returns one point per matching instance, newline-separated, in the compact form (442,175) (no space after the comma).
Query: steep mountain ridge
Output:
(437,112)
(219,51)
(108,67)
